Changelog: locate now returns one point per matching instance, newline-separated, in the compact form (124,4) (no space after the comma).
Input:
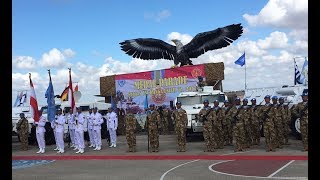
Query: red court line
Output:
(160,157)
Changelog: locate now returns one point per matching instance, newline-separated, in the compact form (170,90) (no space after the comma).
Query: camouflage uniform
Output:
(255,125)
(165,122)
(238,128)
(301,111)
(217,128)
(130,125)
(247,124)
(153,125)
(286,119)
(229,113)
(279,125)
(207,128)
(181,120)
(266,114)
(23,131)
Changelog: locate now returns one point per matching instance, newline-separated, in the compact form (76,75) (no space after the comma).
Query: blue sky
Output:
(57,34)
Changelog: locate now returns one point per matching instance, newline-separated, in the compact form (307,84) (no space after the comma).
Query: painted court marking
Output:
(164,174)
(19,164)
(271,176)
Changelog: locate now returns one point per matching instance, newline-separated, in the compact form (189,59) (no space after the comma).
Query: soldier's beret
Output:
(267,96)
(274,97)
(205,101)
(281,98)
(59,109)
(253,99)
(304,94)
(245,100)
(151,105)
(215,101)
(237,99)
(178,102)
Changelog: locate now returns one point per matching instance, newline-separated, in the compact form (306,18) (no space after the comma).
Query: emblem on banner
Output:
(196,72)
(121,83)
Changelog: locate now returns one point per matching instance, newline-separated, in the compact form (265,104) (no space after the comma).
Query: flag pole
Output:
(245,76)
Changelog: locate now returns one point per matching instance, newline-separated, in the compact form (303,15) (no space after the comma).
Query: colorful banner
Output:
(158,87)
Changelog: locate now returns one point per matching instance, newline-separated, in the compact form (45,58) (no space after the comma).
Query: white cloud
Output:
(24,62)
(69,53)
(281,14)
(55,58)
(274,41)
(158,16)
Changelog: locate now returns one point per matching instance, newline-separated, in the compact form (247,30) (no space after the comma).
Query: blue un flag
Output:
(51,111)
(242,60)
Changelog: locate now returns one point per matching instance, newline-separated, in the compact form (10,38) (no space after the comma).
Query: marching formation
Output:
(235,123)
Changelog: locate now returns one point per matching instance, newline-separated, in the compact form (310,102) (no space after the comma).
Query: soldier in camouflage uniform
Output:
(180,118)
(247,124)
(130,126)
(153,124)
(255,124)
(266,114)
(301,111)
(286,119)
(23,131)
(217,125)
(207,116)
(277,120)
(165,122)
(238,126)
(229,112)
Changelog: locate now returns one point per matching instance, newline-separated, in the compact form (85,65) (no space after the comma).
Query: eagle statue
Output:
(152,49)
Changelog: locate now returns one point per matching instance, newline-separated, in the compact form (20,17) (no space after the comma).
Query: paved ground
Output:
(114,163)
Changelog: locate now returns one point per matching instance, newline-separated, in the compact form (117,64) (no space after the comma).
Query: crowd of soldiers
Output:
(232,124)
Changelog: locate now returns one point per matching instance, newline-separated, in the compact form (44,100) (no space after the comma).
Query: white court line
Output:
(281,168)
(164,174)
(258,177)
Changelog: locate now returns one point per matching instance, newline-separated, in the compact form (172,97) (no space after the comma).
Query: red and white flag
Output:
(70,95)
(33,102)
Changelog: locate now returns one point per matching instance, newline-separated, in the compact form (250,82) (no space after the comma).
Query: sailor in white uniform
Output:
(72,126)
(53,126)
(40,130)
(80,120)
(90,128)
(97,121)
(112,125)
(59,123)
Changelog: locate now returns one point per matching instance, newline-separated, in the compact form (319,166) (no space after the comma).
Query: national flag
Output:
(76,88)
(64,94)
(33,102)
(242,60)
(51,111)
(70,95)
(304,72)
(18,99)
(297,75)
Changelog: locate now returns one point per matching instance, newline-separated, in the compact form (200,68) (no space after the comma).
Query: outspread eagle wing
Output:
(148,49)
(211,40)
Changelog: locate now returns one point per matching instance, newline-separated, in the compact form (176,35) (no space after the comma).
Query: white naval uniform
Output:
(59,132)
(112,125)
(53,126)
(40,130)
(97,121)
(72,126)
(90,129)
(80,130)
